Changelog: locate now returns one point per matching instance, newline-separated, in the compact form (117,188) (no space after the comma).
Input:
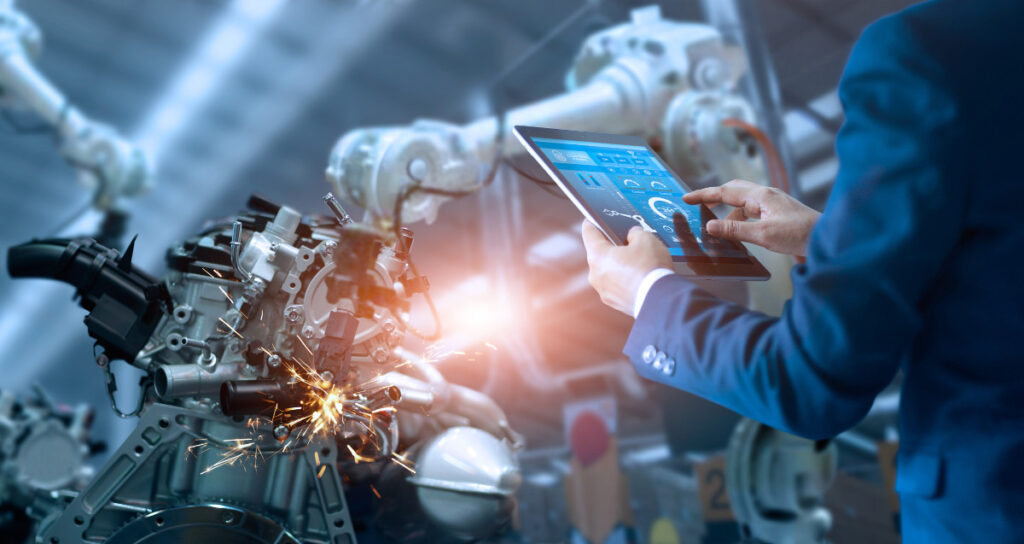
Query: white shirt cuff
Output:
(645,286)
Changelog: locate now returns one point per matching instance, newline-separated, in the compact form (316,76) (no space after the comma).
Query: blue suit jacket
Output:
(917,263)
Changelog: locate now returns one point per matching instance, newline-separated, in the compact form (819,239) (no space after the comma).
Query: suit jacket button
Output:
(669,368)
(659,361)
(648,354)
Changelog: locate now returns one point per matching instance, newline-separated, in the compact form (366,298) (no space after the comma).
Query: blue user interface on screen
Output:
(626,186)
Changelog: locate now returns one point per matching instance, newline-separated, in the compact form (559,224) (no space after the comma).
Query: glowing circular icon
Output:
(659,186)
(630,183)
(665,208)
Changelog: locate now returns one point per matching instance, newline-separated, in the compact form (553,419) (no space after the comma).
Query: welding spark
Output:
(323,409)
(403,462)
(226,295)
(241,449)
(197,446)
(304,345)
(232,329)
(358,458)
(321,473)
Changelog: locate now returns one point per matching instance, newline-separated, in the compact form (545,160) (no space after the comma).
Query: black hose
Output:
(262,397)
(34,260)
(125,304)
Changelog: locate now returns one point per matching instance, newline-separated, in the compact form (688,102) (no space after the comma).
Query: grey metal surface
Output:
(156,466)
(209,522)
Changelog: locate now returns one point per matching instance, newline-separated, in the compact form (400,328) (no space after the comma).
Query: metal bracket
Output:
(161,425)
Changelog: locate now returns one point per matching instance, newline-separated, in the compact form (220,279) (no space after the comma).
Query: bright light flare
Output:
(481,318)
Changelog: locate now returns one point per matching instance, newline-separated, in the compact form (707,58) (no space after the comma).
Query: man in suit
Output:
(917,263)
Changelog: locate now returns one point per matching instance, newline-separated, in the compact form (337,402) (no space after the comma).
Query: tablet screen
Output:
(627,185)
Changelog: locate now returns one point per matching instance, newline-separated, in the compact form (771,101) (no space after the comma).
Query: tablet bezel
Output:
(750,270)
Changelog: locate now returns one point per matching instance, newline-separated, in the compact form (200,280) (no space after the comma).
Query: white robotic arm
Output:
(669,81)
(106,162)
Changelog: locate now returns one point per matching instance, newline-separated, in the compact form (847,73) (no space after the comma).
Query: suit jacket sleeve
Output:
(894,216)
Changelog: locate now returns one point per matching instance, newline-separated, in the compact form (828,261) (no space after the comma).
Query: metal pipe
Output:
(414,392)
(439,387)
(257,397)
(339,213)
(175,381)
(197,344)
(236,248)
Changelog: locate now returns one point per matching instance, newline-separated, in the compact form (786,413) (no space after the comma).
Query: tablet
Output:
(618,182)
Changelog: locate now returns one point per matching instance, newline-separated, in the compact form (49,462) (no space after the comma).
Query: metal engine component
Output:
(167,460)
(272,366)
(215,522)
(43,450)
(44,446)
(654,77)
(466,480)
(777,483)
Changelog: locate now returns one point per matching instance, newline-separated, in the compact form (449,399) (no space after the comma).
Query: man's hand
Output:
(784,223)
(616,272)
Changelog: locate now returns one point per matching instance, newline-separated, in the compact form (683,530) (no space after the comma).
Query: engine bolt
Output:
(389,326)
(274,361)
(327,376)
(102,360)
(292,314)
(281,432)
(380,355)
(307,332)
(328,249)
